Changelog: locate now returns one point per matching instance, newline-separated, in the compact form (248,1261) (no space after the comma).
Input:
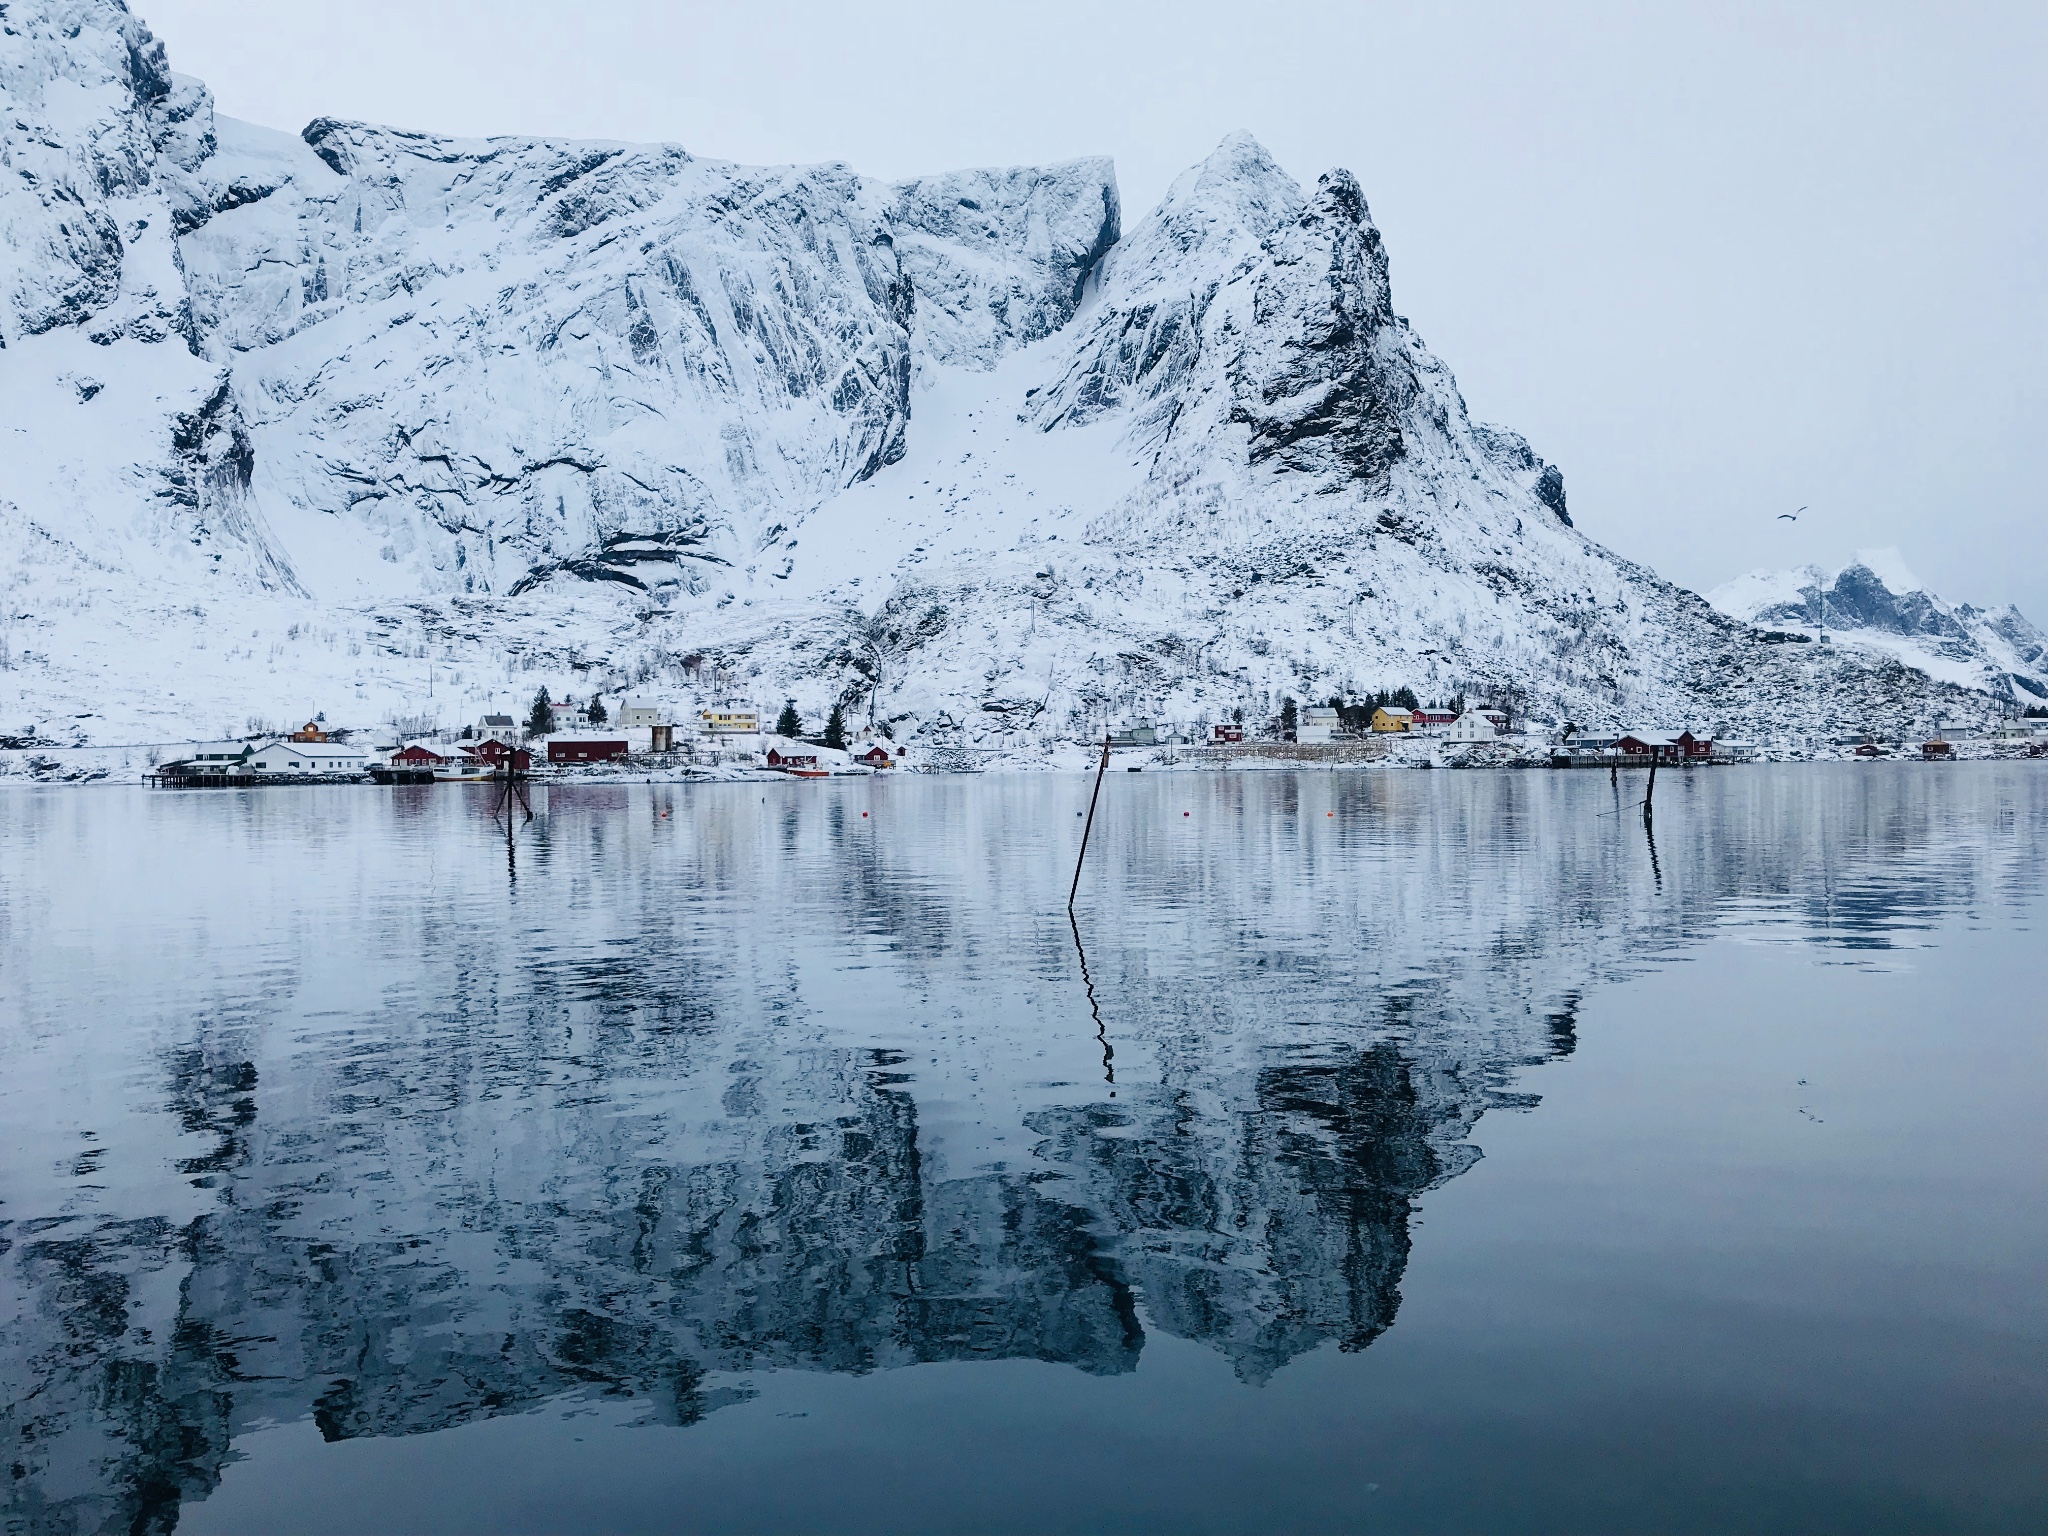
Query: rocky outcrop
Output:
(1323,377)
(998,259)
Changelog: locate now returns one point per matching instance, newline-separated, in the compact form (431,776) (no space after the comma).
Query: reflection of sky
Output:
(316,1111)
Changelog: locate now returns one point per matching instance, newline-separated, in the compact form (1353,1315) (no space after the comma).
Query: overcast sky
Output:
(1715,261)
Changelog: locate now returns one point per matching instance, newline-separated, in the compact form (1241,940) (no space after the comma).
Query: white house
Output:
(1472,726)
(645,727)
(1318,723)
(281,755)
(498,728)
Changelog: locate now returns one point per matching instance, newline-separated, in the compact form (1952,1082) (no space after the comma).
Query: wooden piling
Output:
(1089,825)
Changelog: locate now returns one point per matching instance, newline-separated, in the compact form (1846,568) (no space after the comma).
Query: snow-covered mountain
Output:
(1875,604)
(386,424)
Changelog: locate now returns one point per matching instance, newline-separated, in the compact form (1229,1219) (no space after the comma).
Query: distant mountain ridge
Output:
(1877,604)
(397,425)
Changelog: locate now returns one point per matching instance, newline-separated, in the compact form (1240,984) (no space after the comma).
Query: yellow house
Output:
(1387,718)
(729,722)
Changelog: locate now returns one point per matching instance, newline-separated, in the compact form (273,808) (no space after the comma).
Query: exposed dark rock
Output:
(1325,385)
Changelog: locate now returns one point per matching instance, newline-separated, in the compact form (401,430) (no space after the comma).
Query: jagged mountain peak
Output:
(1889,567)
(1238,180)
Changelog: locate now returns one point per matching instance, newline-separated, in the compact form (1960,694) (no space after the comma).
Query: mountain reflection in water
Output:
(319,1111)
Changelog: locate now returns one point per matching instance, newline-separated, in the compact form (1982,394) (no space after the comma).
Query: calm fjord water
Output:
(755,1158)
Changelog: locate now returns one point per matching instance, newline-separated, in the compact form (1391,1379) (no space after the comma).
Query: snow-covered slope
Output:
(393,425)
(1875,604)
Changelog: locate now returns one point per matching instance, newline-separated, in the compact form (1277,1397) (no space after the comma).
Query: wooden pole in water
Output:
(1089,825)
(1651,792)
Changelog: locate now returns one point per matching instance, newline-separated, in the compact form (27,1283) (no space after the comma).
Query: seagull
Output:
(1790,517)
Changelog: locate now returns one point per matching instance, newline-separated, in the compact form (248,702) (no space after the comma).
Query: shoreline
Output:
(77,768)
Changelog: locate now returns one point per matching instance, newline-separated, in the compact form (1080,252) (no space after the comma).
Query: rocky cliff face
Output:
(961,453)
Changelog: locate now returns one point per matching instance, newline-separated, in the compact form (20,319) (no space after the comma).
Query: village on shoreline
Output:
(567,740)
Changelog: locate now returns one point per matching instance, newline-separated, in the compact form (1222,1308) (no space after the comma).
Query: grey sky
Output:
(1715,261)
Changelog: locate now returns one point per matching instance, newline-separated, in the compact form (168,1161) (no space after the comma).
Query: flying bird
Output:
(1790,517)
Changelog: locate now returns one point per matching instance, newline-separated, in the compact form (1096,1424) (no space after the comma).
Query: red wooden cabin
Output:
(585,750)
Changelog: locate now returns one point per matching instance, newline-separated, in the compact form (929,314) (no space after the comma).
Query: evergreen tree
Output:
(1288,719)
(1405,697)
(595,714)
(835,728)
(541,720)
(789,723)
